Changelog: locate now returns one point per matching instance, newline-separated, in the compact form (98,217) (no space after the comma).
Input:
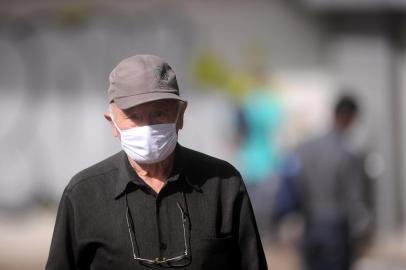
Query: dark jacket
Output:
(91,231)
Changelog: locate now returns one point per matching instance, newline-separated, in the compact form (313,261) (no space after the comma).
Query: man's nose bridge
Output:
(145,119)
(150,119)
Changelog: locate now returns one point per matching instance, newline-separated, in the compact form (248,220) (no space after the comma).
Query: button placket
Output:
(162,246)
(158,204)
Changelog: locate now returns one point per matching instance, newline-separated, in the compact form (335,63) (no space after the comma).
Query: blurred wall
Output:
(56,58)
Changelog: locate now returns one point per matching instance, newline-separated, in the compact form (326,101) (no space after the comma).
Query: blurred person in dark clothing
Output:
(155,204)
(324,181)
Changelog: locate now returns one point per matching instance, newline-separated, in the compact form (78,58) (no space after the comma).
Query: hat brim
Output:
(131,101)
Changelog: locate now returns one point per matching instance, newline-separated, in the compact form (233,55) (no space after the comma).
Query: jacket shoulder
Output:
(103,167)
(204,163)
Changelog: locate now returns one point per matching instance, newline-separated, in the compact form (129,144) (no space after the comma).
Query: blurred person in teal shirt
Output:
(258,158)
(258,121)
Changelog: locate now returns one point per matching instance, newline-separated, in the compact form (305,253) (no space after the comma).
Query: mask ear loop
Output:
(112,120)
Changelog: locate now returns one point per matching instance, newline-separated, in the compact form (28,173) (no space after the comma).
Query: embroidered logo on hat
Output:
(162,76)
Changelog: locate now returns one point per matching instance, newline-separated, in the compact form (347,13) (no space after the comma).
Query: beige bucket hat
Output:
(140,79)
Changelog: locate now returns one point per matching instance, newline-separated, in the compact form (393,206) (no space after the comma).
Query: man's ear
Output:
(114,130)
(182,109)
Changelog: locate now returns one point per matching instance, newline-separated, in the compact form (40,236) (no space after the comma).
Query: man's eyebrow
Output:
(131,113)
(129,110)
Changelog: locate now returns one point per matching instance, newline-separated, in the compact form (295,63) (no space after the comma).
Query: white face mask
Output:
(149,144)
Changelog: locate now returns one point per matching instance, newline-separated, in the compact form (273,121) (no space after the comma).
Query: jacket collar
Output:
(126,173)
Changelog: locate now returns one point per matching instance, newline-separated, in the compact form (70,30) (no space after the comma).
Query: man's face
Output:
(151,113)
(344,121)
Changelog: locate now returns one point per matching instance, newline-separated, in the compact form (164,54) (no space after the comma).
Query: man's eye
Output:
(135,116)
(157,114)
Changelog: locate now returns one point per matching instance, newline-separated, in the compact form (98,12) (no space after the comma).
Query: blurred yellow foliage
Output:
(210,71)
(73,15)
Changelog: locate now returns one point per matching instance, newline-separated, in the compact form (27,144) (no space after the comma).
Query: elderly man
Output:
(155,204)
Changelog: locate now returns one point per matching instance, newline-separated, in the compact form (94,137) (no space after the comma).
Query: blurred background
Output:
(261,77)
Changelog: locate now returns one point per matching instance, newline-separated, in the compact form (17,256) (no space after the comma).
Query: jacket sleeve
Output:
(250,246)
(62,251)
(359,216)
